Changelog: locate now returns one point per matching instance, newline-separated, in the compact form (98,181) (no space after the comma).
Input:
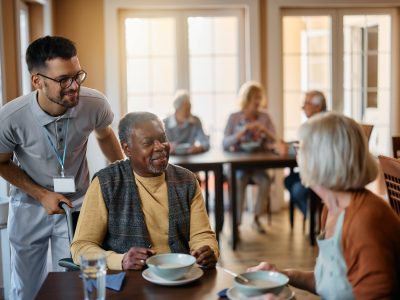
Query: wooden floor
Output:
(280,245)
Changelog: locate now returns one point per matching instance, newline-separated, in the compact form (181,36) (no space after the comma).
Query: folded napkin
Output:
(114,281)
(222,293)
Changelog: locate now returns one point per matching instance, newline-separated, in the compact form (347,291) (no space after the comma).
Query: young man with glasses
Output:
(43,143)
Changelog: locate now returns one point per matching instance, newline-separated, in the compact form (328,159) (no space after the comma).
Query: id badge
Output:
(64,184)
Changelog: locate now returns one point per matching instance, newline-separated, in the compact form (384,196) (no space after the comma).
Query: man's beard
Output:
(159,169)
(67,104)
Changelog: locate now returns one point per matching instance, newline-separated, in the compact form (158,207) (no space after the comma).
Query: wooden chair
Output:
(396,146)
(391,171)
(367,129)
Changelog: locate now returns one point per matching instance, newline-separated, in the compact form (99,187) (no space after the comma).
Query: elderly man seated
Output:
(184,130)
(141,206)
(314,103)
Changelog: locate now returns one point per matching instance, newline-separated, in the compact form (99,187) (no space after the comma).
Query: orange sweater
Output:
(371,247)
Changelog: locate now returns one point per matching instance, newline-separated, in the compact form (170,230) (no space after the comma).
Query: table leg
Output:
(206,191)
(312,221)
(219,200)
(233,206)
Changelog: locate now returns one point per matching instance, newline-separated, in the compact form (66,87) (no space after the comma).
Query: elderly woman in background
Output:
(359,243)
(250,126)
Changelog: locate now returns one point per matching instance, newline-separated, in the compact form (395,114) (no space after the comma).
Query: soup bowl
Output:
(250,146)
(261,282)
(171,266)
(182,148)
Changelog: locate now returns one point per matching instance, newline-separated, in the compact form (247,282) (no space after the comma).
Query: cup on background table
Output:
(93,271)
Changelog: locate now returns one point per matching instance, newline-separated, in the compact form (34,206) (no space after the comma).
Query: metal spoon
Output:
(241,278)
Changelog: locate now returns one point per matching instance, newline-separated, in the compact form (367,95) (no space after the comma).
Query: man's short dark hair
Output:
(47,48)
(128,123)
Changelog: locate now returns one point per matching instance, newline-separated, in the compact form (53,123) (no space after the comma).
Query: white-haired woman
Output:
(359,244)
(250,125)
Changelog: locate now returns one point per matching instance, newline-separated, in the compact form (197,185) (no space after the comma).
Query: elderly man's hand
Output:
(205,256)
(135,258)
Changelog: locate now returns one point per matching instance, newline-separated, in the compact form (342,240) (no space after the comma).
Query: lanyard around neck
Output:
(61,160)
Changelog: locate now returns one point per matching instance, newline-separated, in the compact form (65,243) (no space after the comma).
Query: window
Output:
(356,78)
(306,65)
(367,79)
(201,51)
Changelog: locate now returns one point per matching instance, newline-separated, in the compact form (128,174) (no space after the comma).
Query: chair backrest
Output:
(396,146)
(391,171)
(367,129)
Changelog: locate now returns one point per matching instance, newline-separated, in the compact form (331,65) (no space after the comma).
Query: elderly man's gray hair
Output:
(129,122)
(180,97)
(318,99)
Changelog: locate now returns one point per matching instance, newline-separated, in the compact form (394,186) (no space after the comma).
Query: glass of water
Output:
(93,271)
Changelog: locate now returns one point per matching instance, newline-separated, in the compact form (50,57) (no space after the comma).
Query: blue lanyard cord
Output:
(60,161)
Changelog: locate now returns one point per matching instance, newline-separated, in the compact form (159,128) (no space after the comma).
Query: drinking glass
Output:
(93,271)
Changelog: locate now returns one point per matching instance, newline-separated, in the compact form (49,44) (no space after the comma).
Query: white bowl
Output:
(182,148)
(261,282)
(250,146)
(171,266)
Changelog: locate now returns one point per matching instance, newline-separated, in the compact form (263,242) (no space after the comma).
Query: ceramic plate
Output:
(234,294)
(194,274)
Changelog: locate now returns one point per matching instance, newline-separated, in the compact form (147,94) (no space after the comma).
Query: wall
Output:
(83,23)
(8,22)
(36,29)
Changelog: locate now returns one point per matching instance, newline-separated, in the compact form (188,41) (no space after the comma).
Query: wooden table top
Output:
(68,285)
(218,156)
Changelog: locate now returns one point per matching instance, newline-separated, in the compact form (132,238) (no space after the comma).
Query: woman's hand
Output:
(264,266)
(281,148)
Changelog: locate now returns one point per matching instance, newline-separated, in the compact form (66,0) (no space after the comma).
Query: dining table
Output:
(214,160)
(69,286)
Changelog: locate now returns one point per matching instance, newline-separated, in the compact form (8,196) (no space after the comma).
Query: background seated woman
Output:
(250,129)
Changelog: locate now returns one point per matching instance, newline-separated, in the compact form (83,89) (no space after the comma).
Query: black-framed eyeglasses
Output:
(66,81)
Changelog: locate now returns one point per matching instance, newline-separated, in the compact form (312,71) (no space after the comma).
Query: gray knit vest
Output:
(126,223)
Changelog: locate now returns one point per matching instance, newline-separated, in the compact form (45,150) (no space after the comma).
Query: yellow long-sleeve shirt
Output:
(93,219)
